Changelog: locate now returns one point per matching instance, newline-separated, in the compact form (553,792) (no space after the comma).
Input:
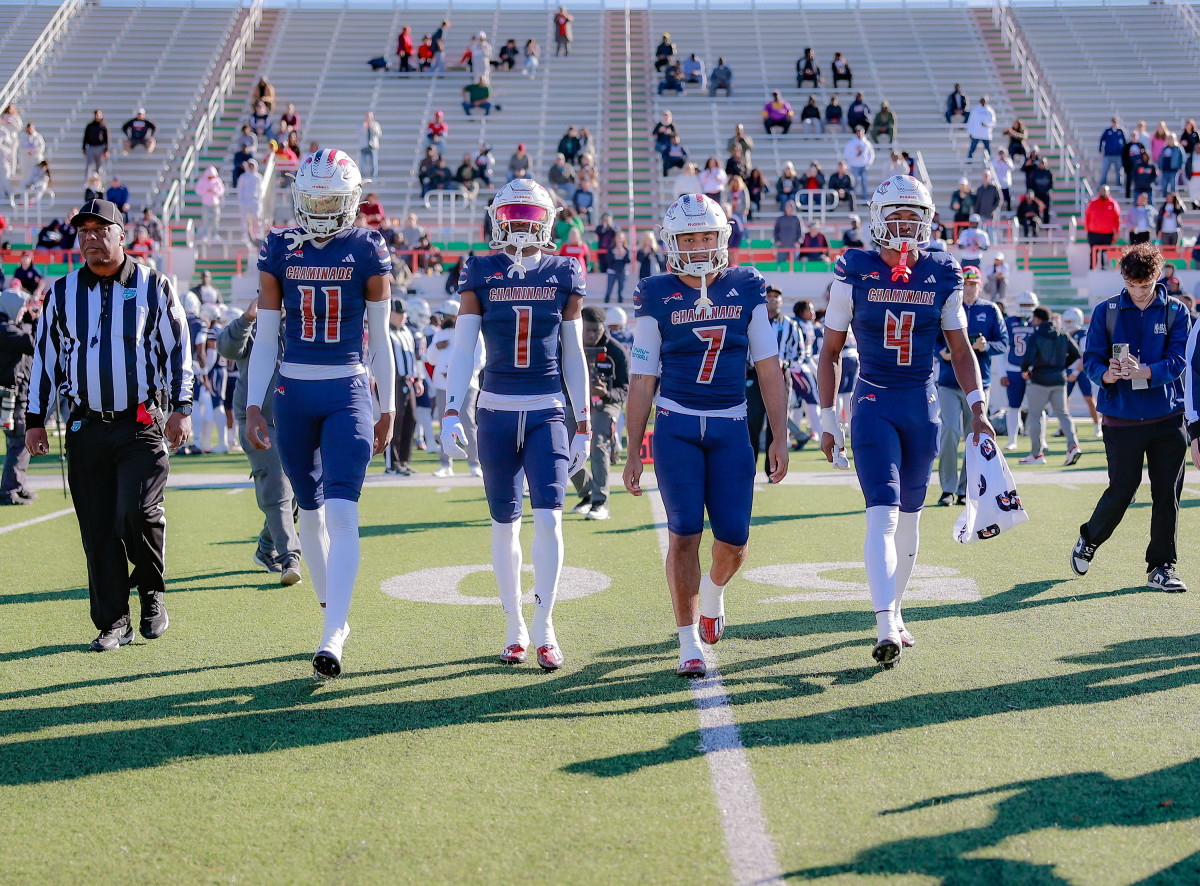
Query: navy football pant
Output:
(534,442)
(894,433)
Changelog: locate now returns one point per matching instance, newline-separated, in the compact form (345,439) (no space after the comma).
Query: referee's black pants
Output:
(406,422)
(756,415)
(117,471)
(1163,446)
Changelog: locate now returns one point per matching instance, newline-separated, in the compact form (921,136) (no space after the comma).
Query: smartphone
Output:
(1120,351)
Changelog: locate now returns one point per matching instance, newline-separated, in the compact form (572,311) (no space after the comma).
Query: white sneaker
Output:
(1011,447)
(1033,460)
(1073,455)
(583,508)
(442,473)
(477,471)
(221,448)
(598,512)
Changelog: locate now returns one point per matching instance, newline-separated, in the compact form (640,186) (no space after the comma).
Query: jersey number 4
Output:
(898,335)
(714,338)
(333,313)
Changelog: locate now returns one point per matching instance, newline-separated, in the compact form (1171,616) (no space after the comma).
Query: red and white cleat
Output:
(514,654)
(550,658)
(712,629)
(692,668)
(907,640)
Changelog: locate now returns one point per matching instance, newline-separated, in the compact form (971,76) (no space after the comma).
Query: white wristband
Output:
(975,396)
(829,422)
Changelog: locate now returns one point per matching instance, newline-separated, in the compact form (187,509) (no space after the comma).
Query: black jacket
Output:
(617,378)
(1048,353)
(16,355)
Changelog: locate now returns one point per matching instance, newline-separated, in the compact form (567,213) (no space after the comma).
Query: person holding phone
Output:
(1135,355)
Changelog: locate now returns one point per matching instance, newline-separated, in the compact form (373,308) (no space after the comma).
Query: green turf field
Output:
(1043,730)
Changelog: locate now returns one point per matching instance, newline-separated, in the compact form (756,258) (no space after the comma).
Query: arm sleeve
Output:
(263,356)
(762,336)
(840,310)
(462,358)
(575,368)
(647,347)
(953,314)
(383,361)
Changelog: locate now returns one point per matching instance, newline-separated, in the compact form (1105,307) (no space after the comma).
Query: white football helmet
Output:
(901,192)
(615,317)
(692,214)
(326,192)
(1023,304)
(210,314)
(522,215)
(418,312)
(1072,319)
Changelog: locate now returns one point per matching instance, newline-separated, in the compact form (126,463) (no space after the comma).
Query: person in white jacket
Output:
(1003,167)
(211,191)
(33,149)
(250,197)
(979,126)
(368,144)
(860,156)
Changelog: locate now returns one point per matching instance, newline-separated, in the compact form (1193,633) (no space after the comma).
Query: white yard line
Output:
(748,846)
(36,520)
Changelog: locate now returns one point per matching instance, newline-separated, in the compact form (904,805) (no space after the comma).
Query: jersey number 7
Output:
(897,335)
(714,338)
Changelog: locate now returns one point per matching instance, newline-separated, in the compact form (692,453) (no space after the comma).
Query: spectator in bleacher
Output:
(988,198)
(843,183)
(1191,171)
(1166,225)
(287,159)
(250,191)
(807,70)
(50,236)
(478,95)
(812,181)
(788,185)
(485,165)
(859,113)
(814,246)
(1112,144)
(956,104)
(587,144)
(369,135)
(1139,219)
(777,114)
(1170,163)
(673,80)
(481,60)
(149,221)
(205,292)
(721,78)
(1029,214)
(1042,181)
(736,164)
(650,257)
(563,34)
(1189,138)
(786,234)
(289,121)
(584,198)
(664,53)
(615,265)
(518,163)
(739,197)
(412,232)
(997,282)
(1131,156)
(693,71)
(27,275)
(833,116)
(897,165)
(854,237)
(211,191)
(1144,175)
(10,120)
(713,179)
(973,241)
(687,182)
(606,237)
(1101,221)
(980,124)
(436,131)
(841,71)
(142,247)
(438,45)
(246,141)
(441,175)
(93,189)
(569,145)
(371,213)
(562,177)
(466,179)
(860,157)
(139,132)
(663,130)
(576,248)
(509,55)
(884,124)
(95,143)
(260,121)
(743,141)
(1158,140)
(37,183)
(264,92)
(1003,168)
(675,156)
(532,59)
(962,201)
(756,189)
(1017,136)
(293,143)
(425,53)
(810,116)
(33,149)
(119,194)
(404,49)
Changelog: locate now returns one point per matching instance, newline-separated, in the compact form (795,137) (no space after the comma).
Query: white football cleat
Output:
(1033,460)
(477,471)
(442,473)
(327,663)
(887,651)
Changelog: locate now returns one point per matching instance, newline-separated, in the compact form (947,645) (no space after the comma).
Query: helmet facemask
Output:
(326,213)
(517,227)
(895,234)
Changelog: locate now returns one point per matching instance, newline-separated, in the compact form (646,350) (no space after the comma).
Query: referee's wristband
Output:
(34,420)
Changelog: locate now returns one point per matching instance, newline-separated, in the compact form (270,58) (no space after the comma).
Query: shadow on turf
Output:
(759,520)
(1079,801)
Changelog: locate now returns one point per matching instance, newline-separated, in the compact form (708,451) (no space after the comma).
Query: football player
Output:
(328,277)
(695,326)
(897,300)
(1019,330)
(1072,321)
(526,303)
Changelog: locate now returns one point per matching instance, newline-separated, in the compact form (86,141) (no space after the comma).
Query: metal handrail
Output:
(1191,20)
(629,113)
(44,43)
(173,201)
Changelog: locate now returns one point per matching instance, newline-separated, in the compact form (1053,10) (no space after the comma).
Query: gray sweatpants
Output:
(274,494)
(93,159)
(591,481)
(466,415)
(1036,398)
(956,424)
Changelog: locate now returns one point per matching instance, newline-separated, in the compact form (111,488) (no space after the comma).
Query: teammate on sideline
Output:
(329,276)
(694,328)
(1019,330)
(898,300)
(1072,322)
(525,302)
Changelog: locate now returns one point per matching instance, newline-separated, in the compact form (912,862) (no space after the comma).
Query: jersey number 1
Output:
(333,313)
(714,337)
(524,336)
(897,335)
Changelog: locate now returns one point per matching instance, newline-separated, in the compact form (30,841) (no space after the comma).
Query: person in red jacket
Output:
(1102,220)
(404,49)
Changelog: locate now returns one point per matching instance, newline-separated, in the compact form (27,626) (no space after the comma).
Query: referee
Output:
(788,334)
(113,341)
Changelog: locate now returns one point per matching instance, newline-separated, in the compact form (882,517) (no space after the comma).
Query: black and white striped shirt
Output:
(790,338)
(404,346)
(110,343)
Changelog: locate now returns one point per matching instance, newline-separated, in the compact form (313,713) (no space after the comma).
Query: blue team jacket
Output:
(1146,334)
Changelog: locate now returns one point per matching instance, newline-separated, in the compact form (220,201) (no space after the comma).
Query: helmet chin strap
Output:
(296,239)
(704,301)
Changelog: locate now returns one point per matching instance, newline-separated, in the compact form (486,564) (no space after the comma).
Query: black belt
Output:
(105,415)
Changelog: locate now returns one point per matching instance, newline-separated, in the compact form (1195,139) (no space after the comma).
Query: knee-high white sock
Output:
(1013,417)
(219,427)
(879,554)
(547,563)
(908,540)
(814,418)
(712,597)
(314,546)
(341,524)
(845,407)
(506,560)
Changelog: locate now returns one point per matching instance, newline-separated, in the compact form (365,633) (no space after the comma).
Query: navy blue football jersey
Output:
(1019,331)
(324,293)
(521,320)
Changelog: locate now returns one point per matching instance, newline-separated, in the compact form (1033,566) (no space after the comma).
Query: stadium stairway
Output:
(622,185)
(20,27)
(1052,283)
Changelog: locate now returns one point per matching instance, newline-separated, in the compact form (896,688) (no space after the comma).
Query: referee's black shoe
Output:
(154,616)
(114,638)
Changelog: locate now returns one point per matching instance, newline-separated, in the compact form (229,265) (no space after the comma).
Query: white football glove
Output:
(452,432)
(830,425)
(581,450)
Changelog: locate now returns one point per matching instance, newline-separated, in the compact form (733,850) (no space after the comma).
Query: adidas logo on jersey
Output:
(930,279)
(348,260)
(553,279)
